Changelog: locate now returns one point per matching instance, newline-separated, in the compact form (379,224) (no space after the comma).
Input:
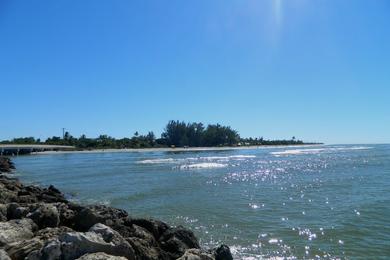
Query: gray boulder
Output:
(50,251)
(15,211)
(6,195)
(20,249)
(4,255)
(144,244)
(3,212)
(44,245)
(144,250)
(86,217)
(50,233)
(111,236)
(223,253)
(177,240)
(100,238)
(67,215)
(16,230)
(156,227)
(51,248)
(100,256)
(45,215)
(196,254)
(6,165)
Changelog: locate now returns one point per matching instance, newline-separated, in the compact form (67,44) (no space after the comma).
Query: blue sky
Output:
(317,70)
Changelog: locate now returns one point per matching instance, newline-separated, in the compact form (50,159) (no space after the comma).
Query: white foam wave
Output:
(202,166)
(105,202)
(193,159)
(223,158)
(319,150)
(359,148)
(242,156)
(241,252)
(158,161)
(292,152)
(210,158)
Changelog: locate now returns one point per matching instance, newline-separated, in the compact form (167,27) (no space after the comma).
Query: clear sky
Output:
(317,70)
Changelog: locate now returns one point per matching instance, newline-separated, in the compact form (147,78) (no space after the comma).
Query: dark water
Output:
(312,202)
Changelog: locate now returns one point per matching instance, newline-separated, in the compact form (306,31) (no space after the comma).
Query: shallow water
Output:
(299,202)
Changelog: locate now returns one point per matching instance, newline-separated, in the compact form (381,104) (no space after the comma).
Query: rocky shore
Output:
(6,165)
(40,223)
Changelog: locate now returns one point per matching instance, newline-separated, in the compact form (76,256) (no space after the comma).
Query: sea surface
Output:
(324,202)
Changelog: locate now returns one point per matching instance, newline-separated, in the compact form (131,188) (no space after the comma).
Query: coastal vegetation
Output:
(175,134)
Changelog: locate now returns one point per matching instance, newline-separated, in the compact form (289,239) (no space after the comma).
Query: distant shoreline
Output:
(178,149)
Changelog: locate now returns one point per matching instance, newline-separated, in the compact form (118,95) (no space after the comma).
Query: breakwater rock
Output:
(40,223)
(6,164)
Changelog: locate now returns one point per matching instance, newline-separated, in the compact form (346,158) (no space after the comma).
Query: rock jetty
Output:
(6,164)
(40,223)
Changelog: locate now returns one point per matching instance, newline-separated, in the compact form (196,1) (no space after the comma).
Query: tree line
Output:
(175,134)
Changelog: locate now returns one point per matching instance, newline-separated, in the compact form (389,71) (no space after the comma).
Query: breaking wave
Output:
(156,161)
(202,166)
(319,150)
(194,159)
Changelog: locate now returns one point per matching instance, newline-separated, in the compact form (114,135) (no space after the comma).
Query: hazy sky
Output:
(317,70)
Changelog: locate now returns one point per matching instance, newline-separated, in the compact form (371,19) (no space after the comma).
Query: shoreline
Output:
(41,223)
(179,149)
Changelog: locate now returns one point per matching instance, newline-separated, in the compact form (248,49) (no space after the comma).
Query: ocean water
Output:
(322,202)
